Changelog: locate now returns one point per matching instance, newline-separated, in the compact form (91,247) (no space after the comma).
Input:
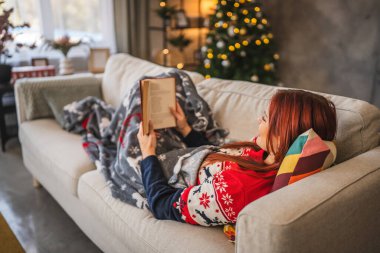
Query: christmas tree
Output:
(240,43)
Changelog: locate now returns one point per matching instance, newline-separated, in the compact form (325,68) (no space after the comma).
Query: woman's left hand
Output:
(147,142)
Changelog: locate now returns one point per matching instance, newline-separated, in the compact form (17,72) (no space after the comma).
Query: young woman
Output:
(242,172)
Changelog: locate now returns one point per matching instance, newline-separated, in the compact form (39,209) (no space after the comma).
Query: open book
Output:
(157,96)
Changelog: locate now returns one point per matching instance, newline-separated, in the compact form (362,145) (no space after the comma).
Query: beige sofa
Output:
(333,211)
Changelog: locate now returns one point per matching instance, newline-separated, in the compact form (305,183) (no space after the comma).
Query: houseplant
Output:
(165,12)
(180,41)
(6,42)
(64,45)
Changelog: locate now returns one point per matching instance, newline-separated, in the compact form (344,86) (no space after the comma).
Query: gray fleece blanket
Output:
(110,139)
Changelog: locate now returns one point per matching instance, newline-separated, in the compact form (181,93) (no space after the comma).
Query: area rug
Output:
(8,241)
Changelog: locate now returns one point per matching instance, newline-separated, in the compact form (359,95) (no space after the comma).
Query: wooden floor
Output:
(36,219)
(8,241)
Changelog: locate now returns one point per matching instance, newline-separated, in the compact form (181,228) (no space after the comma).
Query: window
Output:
(77,18)
(24,11)
(89,20)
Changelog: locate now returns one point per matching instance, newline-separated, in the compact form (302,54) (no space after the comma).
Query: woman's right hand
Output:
(148,141)
(182,126)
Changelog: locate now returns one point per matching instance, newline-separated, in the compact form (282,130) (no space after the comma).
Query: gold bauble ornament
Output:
(267,67)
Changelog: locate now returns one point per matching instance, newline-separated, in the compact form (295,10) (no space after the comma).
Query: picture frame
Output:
(40,62)
(181,20)
(97,59)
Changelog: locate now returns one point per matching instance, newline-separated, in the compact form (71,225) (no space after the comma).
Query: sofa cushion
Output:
(243,102)
(307,155)
(147,233)
(123,70)
(62,153)
(57,98)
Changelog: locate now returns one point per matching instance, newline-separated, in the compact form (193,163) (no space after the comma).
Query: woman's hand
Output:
(182,126)
(147,142)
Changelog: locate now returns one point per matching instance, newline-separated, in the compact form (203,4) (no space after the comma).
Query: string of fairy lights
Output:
(239,44)
(239,33)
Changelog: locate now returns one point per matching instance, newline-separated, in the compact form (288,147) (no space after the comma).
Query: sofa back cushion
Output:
(123,70)
(238,104)
(57,98)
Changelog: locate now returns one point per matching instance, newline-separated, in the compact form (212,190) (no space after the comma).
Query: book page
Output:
(161,98)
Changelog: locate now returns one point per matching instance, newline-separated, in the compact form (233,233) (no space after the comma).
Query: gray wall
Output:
(329,46)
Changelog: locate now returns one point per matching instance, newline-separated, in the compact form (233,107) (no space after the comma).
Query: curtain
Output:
(131,27)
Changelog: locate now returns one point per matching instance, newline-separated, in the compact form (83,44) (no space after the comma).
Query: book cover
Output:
(157,96)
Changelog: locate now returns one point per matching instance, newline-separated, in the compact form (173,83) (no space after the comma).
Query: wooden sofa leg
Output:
(36,184)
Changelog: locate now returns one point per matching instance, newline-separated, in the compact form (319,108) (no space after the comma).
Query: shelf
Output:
(175,28)
(156,28)
(169,28)
(189,27)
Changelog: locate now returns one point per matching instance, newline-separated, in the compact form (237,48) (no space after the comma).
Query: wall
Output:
(330,46)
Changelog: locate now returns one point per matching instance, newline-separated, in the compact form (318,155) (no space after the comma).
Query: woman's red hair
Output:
(291,113)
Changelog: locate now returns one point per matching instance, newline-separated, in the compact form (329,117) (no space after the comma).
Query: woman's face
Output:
(262,137)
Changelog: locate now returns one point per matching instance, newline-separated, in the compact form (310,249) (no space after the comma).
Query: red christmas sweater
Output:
(222,191)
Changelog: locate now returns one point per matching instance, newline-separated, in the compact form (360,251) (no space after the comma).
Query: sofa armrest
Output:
(99,77)
(332,211)
(30,102)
